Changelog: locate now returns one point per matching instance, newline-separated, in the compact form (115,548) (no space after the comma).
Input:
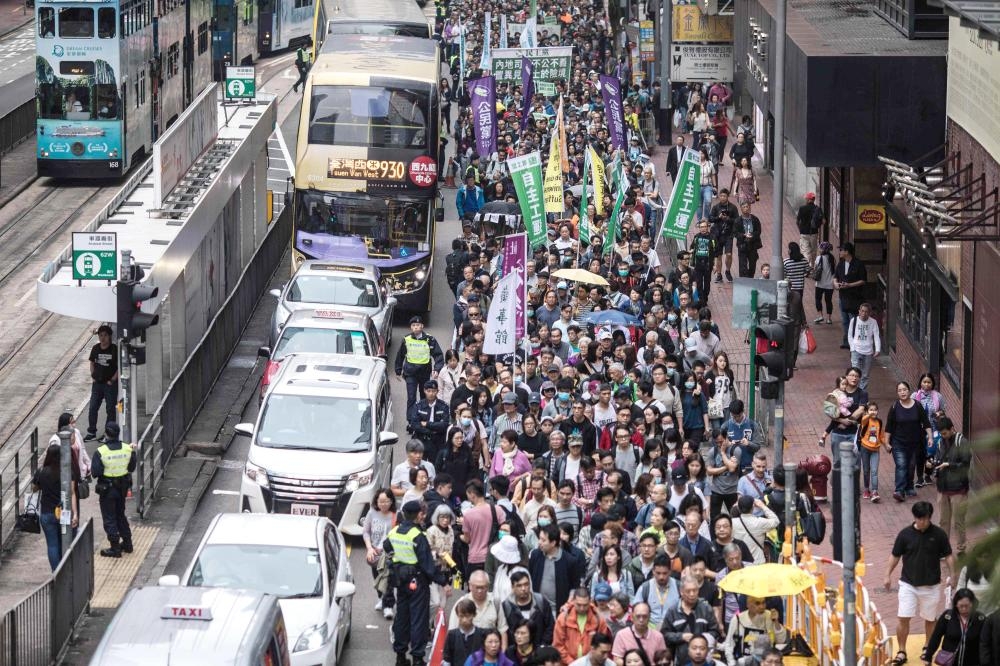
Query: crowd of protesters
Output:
(591,490)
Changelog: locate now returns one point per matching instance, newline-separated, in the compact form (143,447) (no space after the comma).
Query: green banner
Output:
(526,172)
(684,198)
(620,185)
(551,64)
(584,217)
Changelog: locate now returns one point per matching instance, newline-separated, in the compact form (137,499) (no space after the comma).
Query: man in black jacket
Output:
(675,156)
(554,573)
(809,220)
(428,420)
(747,232)
(849,278)
(722,218)
(522,603)
(952,465)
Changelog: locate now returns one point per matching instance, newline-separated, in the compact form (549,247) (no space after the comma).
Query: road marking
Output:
(284,150)
(225,492)
(274,168)
(24,298)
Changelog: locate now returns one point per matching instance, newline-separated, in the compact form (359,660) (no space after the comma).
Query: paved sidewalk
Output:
(17,170)
(805,422)
(13,15)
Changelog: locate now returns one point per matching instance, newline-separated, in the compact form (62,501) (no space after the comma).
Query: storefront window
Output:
(952,339)
(915,285)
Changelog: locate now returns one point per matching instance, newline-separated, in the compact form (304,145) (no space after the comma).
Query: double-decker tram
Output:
(235,38)
(365,186)
(111,76)
(284,24)
(335,18)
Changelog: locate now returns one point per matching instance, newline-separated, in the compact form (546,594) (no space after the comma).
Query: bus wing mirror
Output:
(439,215)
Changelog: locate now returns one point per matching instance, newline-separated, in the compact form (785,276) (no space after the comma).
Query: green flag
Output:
(620,185)
(683,198)
(526,172)
(584,216)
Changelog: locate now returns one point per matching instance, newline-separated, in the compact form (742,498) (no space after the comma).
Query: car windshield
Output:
(315,422)
(334,290)
(283,571)
(295,339)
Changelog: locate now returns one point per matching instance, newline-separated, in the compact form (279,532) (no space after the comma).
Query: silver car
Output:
(319,285)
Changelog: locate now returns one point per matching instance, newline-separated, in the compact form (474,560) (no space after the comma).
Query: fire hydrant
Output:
(818,467)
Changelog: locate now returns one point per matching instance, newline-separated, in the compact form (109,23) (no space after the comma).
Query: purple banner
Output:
(515,256)
(527,89)
(612,93)
(483,93)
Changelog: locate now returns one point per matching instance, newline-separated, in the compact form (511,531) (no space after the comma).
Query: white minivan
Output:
(321,445)
(301,560)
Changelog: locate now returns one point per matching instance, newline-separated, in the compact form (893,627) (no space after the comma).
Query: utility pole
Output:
(779,402)
(847,490)
(124,363)
(791,502)
(665,19)
(66,489)
(778,92)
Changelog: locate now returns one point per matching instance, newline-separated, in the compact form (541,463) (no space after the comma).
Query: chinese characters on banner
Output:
(484,113)
(683,198)
(612,94)
(526,172)
(501,325)
(554,178)
(550,64)
(515,255)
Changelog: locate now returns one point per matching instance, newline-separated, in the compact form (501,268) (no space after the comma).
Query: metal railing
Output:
(36,630)
(186,394)
(15,480)
(17,125)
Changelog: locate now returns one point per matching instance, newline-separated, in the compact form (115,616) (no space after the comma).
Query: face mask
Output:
(689,385)
(671,372)
(563,396)
(501,534)
(672,318)
(544,522)
(531,313)
(466,421)
(622,273)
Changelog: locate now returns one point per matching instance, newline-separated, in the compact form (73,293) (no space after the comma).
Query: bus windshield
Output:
(64,100)
(371,117)
(389,227)
(381,29)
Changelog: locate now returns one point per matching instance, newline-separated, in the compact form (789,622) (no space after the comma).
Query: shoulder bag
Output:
(28,521)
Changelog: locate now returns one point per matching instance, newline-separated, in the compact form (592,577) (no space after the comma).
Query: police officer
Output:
(428,420)
(301,64)
(411,573)
(419,359)
(112,465)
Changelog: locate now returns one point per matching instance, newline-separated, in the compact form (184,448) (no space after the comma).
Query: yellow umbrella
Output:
(767,580)
(581,275)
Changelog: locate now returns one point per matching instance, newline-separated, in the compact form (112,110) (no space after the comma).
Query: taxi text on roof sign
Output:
(328,314)
(339,267)
(172,612)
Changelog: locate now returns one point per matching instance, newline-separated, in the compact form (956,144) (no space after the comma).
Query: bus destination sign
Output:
(361,169)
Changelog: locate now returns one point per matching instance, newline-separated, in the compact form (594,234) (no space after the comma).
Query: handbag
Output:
(28,521)
(83,488)
(715,408)
(807,341)
(944,658)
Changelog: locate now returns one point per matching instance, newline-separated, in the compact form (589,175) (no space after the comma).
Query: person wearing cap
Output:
(849,279)
(692,353)
(412,571)
(560,408)
(112,466)
(428,420)
(508,419)
(419,359)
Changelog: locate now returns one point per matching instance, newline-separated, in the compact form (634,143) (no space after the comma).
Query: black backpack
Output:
(454,263)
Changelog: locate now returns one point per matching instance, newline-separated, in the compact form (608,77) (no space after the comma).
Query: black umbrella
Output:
(500,207)
(498,213)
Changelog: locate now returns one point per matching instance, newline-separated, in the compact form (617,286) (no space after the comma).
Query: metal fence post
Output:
(847,491)
(66,490)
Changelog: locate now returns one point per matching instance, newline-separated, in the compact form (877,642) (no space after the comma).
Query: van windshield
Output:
(283,571)
(334,290)
(298,339)
(324,423)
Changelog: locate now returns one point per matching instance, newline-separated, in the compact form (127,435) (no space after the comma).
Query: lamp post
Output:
(778,205)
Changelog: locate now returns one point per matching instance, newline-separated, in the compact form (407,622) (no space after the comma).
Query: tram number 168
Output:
(114,164)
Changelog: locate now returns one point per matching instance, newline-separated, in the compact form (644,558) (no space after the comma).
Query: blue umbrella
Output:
(610,318)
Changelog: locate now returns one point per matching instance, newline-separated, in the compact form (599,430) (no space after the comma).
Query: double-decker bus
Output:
(111,76)
(235,38)
(368,17)
(284,24)
(365,186)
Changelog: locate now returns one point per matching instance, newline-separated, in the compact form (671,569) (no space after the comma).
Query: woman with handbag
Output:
(956,636)
(80,457)
(48,483)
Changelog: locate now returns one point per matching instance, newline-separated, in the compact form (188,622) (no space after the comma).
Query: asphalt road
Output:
(369,642)
(17,68)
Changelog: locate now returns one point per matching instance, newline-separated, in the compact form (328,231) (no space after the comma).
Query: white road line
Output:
(225,492)
(284,149)
(274,168)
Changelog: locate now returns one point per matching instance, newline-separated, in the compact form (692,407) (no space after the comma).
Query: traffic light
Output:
(132,321)
(776,347)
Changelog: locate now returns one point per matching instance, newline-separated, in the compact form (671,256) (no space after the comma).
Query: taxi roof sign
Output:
(179,612)
(339,267)
(328,314)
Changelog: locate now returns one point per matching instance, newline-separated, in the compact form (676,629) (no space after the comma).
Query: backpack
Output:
(517,528)
(454,266)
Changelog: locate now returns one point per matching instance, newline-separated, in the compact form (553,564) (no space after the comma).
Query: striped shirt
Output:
(795,273)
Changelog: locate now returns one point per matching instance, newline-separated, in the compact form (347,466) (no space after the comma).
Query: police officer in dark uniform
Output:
(419,358)
(112,466)
(411,573)
(428,420)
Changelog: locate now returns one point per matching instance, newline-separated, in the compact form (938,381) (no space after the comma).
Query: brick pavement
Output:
(804,419)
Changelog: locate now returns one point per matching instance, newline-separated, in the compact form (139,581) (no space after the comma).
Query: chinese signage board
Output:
(240,83)
(702,62)
(551,64)
(95,256)
(647,41)
(691,25)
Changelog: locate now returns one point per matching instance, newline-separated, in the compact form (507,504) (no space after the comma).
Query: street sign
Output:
(767,293)
(95,256)
(240,83)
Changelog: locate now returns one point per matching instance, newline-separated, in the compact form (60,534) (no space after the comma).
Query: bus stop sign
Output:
(95,256)
(240,83)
